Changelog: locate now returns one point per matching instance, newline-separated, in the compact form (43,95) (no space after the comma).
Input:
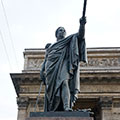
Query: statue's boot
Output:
(68,109)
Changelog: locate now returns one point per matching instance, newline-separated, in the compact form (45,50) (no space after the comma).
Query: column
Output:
(106,108)
(22,107)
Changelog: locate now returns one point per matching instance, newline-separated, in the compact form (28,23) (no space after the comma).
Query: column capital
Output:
(106,102)
(22,102)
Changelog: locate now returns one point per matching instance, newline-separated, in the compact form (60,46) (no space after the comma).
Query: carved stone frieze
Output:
(97,59)
(34,63)
(102,62)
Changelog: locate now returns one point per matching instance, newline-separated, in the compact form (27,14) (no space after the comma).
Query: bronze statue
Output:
(60,69)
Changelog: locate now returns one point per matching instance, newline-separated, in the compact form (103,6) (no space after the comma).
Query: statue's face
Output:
(60,33)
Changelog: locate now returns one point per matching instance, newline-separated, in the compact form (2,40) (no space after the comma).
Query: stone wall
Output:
(100,83)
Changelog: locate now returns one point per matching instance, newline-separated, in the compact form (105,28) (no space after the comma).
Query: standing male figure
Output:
(60,70)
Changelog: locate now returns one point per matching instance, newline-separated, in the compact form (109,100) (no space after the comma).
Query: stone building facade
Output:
(100,83)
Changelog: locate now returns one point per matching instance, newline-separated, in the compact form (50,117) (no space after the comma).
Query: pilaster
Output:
(106,108)
(22,107)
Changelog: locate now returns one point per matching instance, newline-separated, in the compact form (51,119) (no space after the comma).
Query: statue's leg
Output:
(66,96)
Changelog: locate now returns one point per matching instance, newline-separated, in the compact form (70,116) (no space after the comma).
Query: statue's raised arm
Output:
(82,28)
(83,22)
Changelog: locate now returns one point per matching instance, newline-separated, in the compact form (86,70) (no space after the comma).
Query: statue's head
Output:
(60,33)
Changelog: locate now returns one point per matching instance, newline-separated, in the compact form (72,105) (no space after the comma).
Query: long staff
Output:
(84,8)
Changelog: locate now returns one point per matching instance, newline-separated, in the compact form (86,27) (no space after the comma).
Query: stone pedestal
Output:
(60,116)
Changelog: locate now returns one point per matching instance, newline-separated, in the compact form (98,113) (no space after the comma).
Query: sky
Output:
(32,24)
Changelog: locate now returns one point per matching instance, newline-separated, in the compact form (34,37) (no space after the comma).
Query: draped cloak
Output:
(62,63)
